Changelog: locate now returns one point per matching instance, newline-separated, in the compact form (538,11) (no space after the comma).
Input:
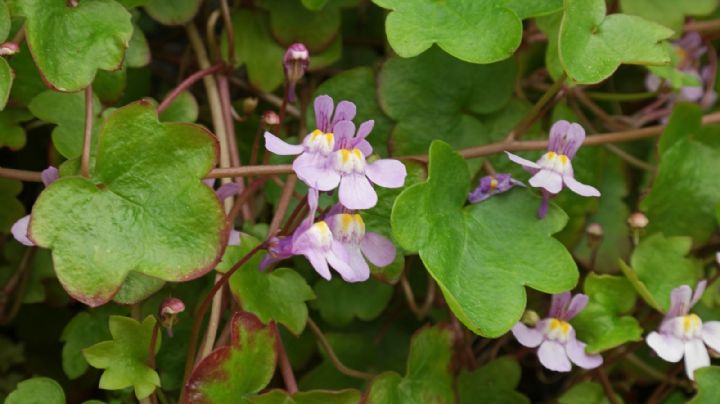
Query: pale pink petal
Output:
(49,175)
(666,346)
(523,162)
(234,238)
(318,261)
(227,190)
(365,129)
(558,304)
(387,173)
(344,132)
(313,169)
(679,301)
(278,146)
(365,147)
(356,192)
(580,188)
(552,355)
(711,334)
(557,132)
(19,230)
(577,304)
(548,180)
(360,268)
(576,352)
(526,336)
(378,249)
(323,112)
(339,259)
(699,290)
(696,356)
(345,111)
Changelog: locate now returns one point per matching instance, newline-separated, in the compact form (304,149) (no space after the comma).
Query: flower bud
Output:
(9,48)
(594,232)
(295,62)
(270,118)
(638,221)
(249,104)
(530,318)
(169,310)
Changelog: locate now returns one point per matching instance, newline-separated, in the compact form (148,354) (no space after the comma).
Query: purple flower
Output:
(295,63)
(348,229)
(556,337)
(554,169)
(315,241)
(20,229)
(490,185)
(682,334)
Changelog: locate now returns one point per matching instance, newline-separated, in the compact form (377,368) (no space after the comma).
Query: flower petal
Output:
(365,129)
(526,336)
(577,304)
(318,261)
(323,112)
(365,147)
(378,249)
(339,259)
(548,180)
(49,175)
(356,192)
(576,352)
(711,334)
(387,173)
(19,230)
(234,238)
(552,355)
(345,111)
(312,169)
(679,301)
(227,190)
(360,268)
(558,304)
(699,290)
(566,138)
(523,162)
(278,146)
(580,188)
(696,356)
(666,346)
(557,132)
(344,132)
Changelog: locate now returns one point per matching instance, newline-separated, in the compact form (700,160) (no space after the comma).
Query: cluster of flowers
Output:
(334,156)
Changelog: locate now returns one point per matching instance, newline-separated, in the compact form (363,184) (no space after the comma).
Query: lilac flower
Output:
(349,230)
(20,229)
(295,63)
(682,334)
(490,185)
(554,169)
(556,337)
(316,242)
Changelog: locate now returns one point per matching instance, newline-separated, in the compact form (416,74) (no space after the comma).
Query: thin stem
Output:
(153,344)
(22,175)
(202,309)
(285,366)
(18,280)
(419,312)
(270,98)
(536,110)
(87,134)
(600,96)
(711,25)
(283,203)
(609,121)
(187,83)
(333,358)
(229,30)
(609,393)
(629,158)
(213,323)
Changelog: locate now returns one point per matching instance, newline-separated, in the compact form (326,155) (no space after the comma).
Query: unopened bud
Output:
(270,118)
(249,105)
(9,48)
(638,221)
(530,318)
(169,310)
(295,62)
(595,230)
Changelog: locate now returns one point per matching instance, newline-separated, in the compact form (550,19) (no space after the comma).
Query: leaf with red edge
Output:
(231,373)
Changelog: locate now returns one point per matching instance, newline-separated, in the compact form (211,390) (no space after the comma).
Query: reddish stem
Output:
(187,83)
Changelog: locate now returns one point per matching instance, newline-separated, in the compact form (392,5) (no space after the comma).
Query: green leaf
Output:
(58,38)
(592,45)
(138,53)
(434,96)
(175,12)
(586,393)
(314,5)
(670,13)
(603,325)
(6,80)
(136,288)
(476,31)
(12,134)
(660,265)
(339,302)
(708,381)
(217,379)
(38,390)
(427,379)
(67,111)
(278,295)
(348,396)
(109,87)
(27,83)
(685,192)
(531,8)
(10,208)
(85,329)
(5,21)
(144,208)
(125,358)
(467,250)
(184,108)
(493,383)
(291,22)
(359,86)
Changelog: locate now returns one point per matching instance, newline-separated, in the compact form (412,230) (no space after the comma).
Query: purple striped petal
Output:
(526,336)
(387,173)
(365,129)
(679,301)
(557,132)
(558,304)
(323,112)
(356,192)
(696,357)
(345,111)
(577,304)
(666,346)
(344,132)
(378,249)
(19,230)
(552,355)
(278,146)
(566,138)
(576,352)
(580,188)
(548,180)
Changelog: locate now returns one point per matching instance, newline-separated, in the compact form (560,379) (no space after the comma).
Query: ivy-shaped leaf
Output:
(467,250)
(348,396)
(427,379)
(27,83)
(476,31)
(708,381)
(10,208)
(144,209)
(685,193)
(6,80)
(339,302)
(428,108)
(532,8)
(291,22)
(602,324)
(592,45)
(659,265)
(493,383)
(85,329)
(184,108)
(232,373)
(586,393)
(277,295)
(125,358)
(138,52)
(37,390)
(58,38)
(670,13)
(175,12)
(12,135)
(5,21)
